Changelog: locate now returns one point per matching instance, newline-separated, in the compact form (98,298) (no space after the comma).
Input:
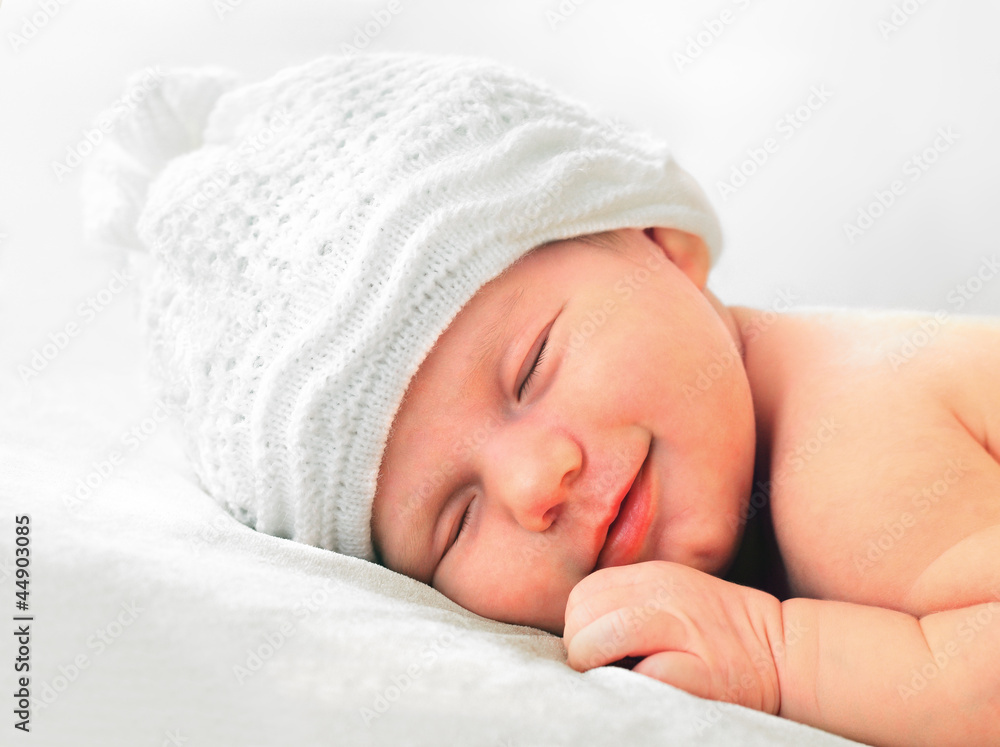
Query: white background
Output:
(784,229)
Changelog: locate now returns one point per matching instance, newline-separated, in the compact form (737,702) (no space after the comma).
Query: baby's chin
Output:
(714,553)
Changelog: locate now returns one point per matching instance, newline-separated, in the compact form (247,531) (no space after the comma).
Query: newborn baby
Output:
(428,312)
(607,486)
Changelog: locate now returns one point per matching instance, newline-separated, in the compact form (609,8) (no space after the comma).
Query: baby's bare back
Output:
(884,437)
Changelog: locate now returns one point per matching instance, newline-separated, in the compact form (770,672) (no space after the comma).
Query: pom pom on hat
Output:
(313,234)
(160,117)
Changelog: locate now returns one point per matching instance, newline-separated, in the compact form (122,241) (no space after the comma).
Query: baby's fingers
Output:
(625,631)
(681,669)
(594,597)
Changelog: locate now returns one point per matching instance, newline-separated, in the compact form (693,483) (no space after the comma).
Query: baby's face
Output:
(554,387)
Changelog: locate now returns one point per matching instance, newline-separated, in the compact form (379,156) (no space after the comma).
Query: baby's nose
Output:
(534,478)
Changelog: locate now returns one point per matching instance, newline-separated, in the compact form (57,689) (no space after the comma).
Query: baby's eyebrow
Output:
(496,336)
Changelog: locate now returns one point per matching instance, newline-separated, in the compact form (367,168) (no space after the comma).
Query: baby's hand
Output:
(697,632)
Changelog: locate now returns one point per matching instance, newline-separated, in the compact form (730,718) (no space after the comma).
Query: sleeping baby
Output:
(427,312)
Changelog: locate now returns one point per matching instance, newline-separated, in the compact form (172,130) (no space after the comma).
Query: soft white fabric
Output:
(313,234)
(149,598)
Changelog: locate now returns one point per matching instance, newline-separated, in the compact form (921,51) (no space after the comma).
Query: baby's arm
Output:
(875,675)
(884,677)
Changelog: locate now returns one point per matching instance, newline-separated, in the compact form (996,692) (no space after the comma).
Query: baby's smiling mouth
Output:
(628,525)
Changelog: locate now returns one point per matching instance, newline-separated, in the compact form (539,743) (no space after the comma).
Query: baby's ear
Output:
(686,250)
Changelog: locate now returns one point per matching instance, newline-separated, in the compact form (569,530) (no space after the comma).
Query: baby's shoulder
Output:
(934,360)
(879,430)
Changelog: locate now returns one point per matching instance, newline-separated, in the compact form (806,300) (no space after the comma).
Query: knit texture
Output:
(312,235)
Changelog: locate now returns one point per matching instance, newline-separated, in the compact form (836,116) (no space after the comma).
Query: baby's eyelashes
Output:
(534,368)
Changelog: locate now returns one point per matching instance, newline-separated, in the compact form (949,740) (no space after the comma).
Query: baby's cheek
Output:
(507,588)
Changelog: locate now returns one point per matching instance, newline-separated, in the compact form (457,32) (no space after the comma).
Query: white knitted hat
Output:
(311,236)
